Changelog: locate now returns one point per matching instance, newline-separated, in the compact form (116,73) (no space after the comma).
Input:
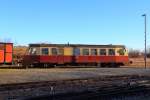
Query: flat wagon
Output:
(75,54)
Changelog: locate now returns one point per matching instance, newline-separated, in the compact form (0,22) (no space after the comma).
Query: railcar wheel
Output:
(99,64)
(112,65)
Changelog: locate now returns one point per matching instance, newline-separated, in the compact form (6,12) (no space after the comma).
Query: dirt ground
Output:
(8,76)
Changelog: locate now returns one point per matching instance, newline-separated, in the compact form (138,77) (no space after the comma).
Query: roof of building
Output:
(5,43)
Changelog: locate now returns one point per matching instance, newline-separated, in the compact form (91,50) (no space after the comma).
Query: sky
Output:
(75,21)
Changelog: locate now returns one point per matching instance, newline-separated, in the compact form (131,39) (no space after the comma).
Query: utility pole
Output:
(145,55)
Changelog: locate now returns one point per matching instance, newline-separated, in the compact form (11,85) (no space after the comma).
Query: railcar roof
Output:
(74,45)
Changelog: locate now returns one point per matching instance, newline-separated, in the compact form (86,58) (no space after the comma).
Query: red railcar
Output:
(76,54)
(6,53)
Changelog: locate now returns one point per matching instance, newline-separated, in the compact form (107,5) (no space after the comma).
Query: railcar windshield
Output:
(121,51)
(32,51)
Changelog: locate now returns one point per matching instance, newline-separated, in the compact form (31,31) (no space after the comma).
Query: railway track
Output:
(99,92)
(10,67)
(104,80)
(21,67)
(82,87)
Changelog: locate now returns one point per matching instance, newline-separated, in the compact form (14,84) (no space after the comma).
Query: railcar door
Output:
(76,53)
(60,57)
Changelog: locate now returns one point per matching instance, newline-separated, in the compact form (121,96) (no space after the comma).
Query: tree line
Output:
(135,53)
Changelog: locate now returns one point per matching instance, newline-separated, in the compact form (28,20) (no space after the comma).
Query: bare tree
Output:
(134,53)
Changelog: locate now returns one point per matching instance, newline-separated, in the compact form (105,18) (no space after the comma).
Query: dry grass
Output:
(19,52)
(9,76)
(139,62)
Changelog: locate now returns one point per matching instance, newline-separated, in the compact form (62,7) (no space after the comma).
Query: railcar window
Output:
(85,51)
(45,51)
(111,52)
(76,51)
(121,51)
(54,51)
(93,51)
(102,51)
(61,51)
